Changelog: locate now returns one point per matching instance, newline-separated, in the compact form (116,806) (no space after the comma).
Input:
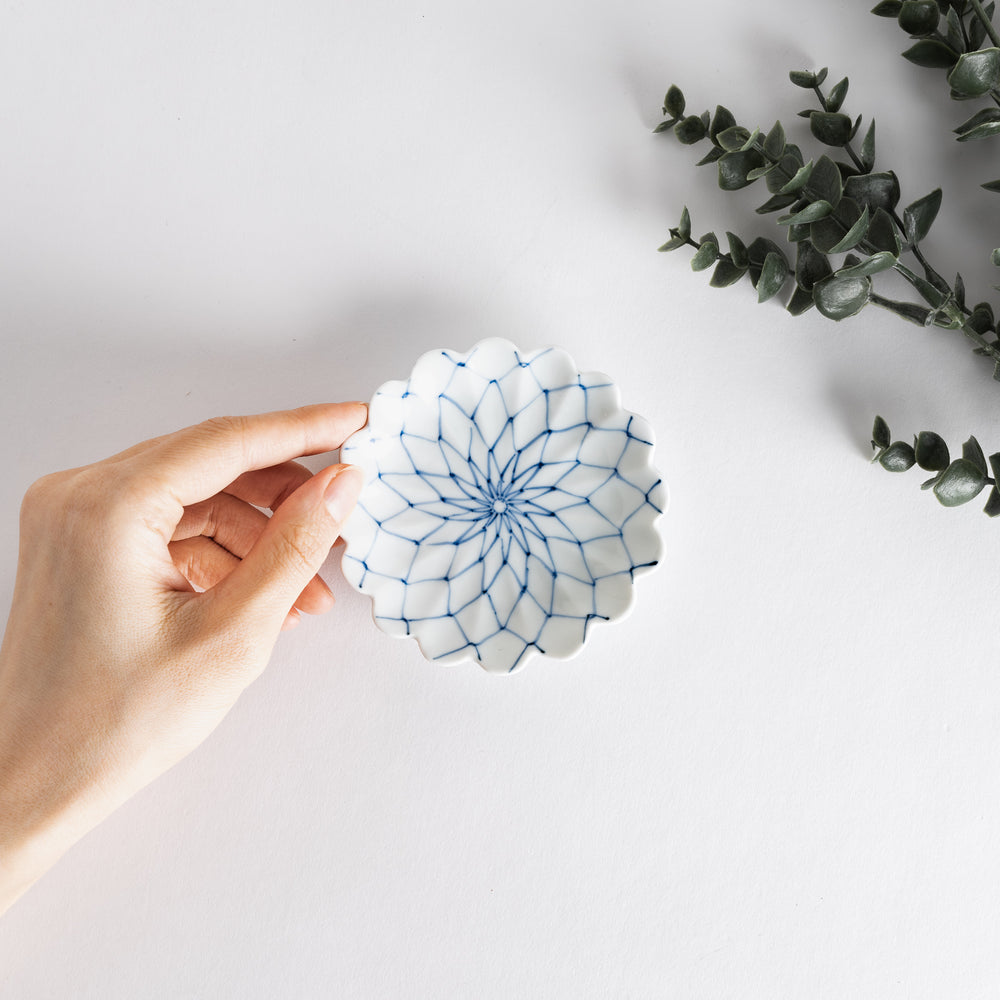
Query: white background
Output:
(778,776)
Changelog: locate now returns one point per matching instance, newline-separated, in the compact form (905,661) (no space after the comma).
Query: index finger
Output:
(199,461)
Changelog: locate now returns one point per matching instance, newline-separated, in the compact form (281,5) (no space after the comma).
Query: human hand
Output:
(150,591)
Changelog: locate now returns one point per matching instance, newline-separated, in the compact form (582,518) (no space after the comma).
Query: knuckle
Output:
(81,501)
(58,501)
(223,432)
(300,548)
(39,495)
(223,426)
(223,436)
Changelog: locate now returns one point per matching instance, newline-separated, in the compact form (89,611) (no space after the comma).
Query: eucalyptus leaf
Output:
(791,149)
(919,217)
(810,266)
(836,96)
(733,138)
(881,435)
(777,203)
(711,156)
(882,233)
(839,297)
(932,452)
(803,79)
(684,226)
(674,103)
(931,54)
(825,182)
(992,508)
(961,482)
(734,168)
(800,302)
(758,172)
(868,148)
(881,261)
(772,276)
(799,179)
(995,466)
(774,142)
(706,256)
(738,251)
(959,287)
(855,234)
(751,139)
(788,168)
(758,252)
(674,243)
(984,130)
(888,8)
(726,273)
(722,119)
(972,452)
(811,213)
(690,130)
(976,73)
(874,190)
(991,185)
(836,232)
(919,17)
(953,35)
(898,457)
(831,127)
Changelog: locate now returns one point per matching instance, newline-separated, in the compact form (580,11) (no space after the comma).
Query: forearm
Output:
(52,787)
(46,806)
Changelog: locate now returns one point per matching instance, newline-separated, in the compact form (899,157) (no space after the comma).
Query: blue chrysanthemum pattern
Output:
(509,502)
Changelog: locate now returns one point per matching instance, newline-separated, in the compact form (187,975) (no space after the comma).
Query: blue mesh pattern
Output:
(510,502)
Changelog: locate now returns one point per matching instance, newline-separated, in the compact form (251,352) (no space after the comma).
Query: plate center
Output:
(499,506)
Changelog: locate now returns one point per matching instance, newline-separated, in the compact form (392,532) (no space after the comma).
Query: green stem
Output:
(987,23)
(952,310)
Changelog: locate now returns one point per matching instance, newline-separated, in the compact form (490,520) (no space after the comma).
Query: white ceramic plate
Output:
(509,503)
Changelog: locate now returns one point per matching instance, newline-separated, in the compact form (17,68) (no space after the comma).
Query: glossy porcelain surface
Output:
(509,503)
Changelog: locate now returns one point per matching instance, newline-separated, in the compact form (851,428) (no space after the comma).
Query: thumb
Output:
(292,547)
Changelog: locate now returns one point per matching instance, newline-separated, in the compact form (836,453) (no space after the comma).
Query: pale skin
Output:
(150,592)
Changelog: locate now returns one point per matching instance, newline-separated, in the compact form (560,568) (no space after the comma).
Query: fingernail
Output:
(342,492)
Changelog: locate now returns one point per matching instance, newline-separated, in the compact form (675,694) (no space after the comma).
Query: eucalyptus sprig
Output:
(954,481)
(841,218)
(828,208)
(950,36)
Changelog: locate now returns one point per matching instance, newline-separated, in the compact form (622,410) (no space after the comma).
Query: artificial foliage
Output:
(954,481)
(839,225)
